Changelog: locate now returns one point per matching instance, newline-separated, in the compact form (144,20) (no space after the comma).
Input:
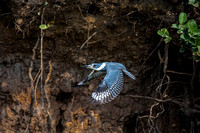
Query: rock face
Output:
(84,32)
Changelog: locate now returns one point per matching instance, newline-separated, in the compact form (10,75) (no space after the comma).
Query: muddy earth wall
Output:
(84,32)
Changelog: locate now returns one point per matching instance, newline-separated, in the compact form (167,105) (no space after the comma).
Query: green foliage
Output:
(189,32)
(182,18)
(44,26)
(42,6)
(164,33)
(39,12)
(195,3)
(182,49)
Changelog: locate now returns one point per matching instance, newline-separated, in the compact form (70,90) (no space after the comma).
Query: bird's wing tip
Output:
(80,83)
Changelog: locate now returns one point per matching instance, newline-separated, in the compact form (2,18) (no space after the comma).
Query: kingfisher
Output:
(111,85)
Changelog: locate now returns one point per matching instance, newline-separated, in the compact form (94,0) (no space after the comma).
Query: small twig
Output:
(91,37)
(92,42)
(142,125)
(160,86)
(88,25)
(150,121)
(7,27)
(49,74)
(166,58)
(152,117)
(49,105)
(39,77)
(159,56)
(41,57)
(102,27)
(35,88)
(32,83)
(108,37)
(181,73)
(167,83)
(4,14)
(81,12)
(164,69)
(150,98)
(150,55)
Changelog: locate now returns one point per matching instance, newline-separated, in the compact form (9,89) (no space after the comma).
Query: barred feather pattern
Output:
(128,73)
(105,95)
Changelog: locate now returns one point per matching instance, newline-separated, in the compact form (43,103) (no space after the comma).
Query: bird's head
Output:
(96,66)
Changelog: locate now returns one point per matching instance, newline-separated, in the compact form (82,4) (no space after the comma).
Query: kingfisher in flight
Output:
(111,85)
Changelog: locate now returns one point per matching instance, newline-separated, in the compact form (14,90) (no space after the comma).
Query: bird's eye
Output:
(94,65)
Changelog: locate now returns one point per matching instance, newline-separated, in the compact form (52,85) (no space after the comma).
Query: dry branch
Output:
(102,27)
(181,73)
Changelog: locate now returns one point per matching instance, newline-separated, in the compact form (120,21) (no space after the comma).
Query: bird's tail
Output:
(129,74)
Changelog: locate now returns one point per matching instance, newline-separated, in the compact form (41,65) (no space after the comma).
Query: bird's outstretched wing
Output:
(92,75)
(128,73)
(109,88)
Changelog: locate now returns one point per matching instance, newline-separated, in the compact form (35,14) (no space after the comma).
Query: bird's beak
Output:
(87,66)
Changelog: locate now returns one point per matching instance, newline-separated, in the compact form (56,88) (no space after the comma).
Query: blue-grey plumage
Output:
(112,83)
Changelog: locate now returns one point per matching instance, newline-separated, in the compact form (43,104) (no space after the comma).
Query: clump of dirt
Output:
(85,32)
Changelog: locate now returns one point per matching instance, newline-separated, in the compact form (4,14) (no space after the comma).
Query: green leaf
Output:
(191,35)
(39,11)
(167,39)
(185,37)
(44,4)
(43,26)
(198,47)
(182,36)
(174,26)
(182,27)
(195,49)
(159,32)
(163,32)
(194,3)
(182,18)
(198,53)
(50,24)
(191,2)
(192,41)
(197,41)
(196,32)
(192,25)
(182,50)
(179,31)
(187,43)
(194,57)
